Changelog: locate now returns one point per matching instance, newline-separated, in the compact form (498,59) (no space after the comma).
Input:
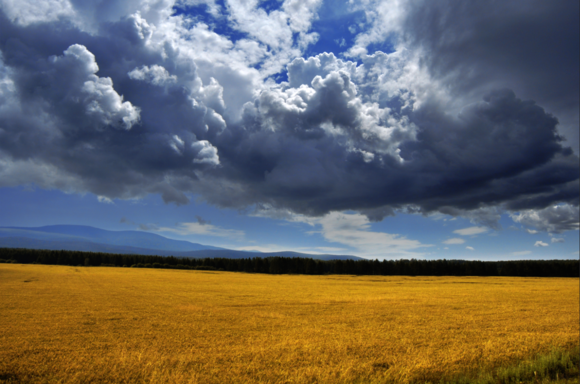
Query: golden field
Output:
(100,324)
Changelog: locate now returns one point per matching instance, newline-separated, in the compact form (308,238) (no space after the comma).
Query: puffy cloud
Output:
(556,218)
(105,104)
(25,12)
(540,243)
(156,75)
(175,108)
(206,153)
(101,101)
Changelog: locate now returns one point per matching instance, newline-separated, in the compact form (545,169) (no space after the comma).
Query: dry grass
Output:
(76,324)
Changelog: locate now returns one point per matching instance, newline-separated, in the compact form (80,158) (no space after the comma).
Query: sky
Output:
(383,129)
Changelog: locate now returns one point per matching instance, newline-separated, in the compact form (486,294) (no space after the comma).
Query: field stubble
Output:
(98,324)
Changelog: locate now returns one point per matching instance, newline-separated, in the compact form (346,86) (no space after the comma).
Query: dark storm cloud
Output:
(500,151)
(66,114)
(528,46)
(131,110)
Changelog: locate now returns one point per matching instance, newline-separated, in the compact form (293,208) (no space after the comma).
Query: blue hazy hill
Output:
(81,233)
(90,239)
(87,246)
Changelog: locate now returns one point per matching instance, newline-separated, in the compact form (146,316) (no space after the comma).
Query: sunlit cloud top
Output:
(303,106)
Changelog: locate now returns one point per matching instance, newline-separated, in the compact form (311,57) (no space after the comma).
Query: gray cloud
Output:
(142,103)
(528,46)
(555,219)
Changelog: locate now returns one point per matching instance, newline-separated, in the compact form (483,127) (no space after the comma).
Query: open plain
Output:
(100,324)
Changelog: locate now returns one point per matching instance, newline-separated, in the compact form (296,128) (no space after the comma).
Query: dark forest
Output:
(285,265)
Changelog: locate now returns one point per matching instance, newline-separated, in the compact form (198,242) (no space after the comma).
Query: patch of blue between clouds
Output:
(271,5)
(338,26)
(219,25)
(280,77)
(386,46)
(333,31)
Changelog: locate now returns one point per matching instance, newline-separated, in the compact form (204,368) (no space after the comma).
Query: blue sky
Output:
(30,207)
(383,129)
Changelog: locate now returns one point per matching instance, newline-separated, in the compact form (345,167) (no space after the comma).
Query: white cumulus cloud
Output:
(97,93)
(156,75)
(206,153)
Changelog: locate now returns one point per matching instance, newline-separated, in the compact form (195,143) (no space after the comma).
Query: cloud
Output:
(101,101)
(531,231)
(540,243)
(471,231)
(354,231)
(487,216)
(470,248)
(557,240)
(105,200)
(461,48)
(556,218)
(454,240)
(156,75)
(134,98)
(521,253)
(26,12)
(206,153)
(197,229)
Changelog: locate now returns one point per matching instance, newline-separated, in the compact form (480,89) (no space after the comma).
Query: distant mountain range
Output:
(90,239)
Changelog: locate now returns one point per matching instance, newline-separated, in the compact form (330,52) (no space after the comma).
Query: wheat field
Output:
(124,325)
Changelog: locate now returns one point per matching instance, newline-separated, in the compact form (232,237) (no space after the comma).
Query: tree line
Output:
(296,265)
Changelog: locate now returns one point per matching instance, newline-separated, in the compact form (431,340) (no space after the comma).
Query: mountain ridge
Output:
(91,239)
(137,239)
